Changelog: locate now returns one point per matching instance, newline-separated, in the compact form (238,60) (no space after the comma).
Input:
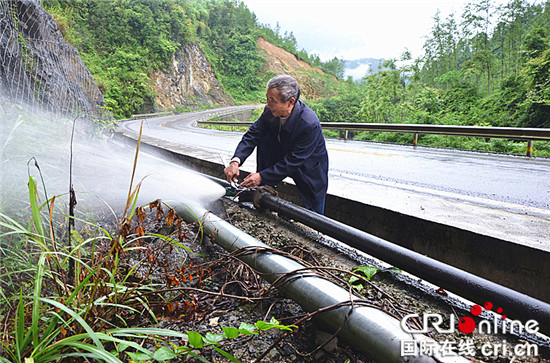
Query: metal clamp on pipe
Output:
(233,189)
(253,195)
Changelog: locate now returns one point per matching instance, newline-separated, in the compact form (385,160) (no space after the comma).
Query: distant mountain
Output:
(360,68)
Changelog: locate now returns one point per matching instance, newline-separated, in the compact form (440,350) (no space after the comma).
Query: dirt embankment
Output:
(279,61)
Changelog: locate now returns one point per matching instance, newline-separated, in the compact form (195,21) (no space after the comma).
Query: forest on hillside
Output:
(489,66)
(122,42)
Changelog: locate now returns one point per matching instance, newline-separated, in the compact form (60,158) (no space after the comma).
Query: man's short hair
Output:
(287,86)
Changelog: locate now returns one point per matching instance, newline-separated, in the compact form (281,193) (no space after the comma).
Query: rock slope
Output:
(188,82)
(39,67)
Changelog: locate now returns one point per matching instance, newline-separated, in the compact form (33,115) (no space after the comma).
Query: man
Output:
(289,142)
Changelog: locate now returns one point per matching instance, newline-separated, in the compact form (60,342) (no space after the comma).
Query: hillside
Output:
(148,56)
(279,61)
(188,82)
(39,68)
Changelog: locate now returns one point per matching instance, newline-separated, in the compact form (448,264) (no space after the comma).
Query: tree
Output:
(241,64)
(335,66)
(537,102)
(510,32)
(477,18)
(535,43)
(383,95)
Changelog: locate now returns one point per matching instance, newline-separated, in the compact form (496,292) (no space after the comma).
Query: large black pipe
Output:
(515,304)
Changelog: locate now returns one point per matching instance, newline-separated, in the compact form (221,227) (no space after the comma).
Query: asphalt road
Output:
(475,191)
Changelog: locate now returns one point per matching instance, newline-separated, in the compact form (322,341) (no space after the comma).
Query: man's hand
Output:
(251,181)
(232,171)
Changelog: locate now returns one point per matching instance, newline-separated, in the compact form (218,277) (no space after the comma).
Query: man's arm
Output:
(246,146)
(250,139)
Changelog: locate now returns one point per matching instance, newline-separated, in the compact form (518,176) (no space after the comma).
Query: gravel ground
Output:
(227,293)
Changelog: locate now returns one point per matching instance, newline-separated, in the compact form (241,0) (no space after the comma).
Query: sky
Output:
(355,29)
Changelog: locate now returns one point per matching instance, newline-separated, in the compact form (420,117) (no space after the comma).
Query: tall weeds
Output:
(57,311)
(101,309)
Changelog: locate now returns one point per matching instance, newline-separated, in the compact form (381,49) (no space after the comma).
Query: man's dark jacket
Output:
(301,153)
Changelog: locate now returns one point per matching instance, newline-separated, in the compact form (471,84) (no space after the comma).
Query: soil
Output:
(217,290)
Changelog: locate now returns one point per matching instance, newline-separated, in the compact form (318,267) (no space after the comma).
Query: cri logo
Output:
(467,324)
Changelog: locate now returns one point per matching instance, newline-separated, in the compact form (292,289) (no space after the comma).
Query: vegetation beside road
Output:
(490,67)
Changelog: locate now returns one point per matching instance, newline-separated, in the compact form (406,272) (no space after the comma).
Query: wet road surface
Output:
(504,196)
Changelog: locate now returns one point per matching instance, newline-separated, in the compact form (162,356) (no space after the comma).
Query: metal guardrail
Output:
(149,115)
(513,133)
(209,114)
(221,113)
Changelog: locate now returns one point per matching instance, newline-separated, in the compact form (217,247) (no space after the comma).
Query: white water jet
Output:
(101,168)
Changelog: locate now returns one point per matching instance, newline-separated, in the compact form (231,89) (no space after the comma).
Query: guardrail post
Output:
(415,140)
(346,135)
(530,148)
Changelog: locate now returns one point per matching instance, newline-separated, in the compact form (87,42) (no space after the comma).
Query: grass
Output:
(106,315)
(55,315)
(70,296)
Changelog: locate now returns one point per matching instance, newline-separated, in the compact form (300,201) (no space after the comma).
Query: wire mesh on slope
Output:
(38,68)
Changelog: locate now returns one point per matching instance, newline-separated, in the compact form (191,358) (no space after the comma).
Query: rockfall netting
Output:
(38,68)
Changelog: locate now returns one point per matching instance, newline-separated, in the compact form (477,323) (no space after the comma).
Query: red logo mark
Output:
(467,325)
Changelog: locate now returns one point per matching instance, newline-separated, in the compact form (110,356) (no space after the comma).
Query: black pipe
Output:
(460,282)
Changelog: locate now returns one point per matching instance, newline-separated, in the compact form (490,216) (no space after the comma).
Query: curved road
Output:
(449,186)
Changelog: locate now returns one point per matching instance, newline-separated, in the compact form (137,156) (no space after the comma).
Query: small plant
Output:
(197,341)
(368,272)
(83,320)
